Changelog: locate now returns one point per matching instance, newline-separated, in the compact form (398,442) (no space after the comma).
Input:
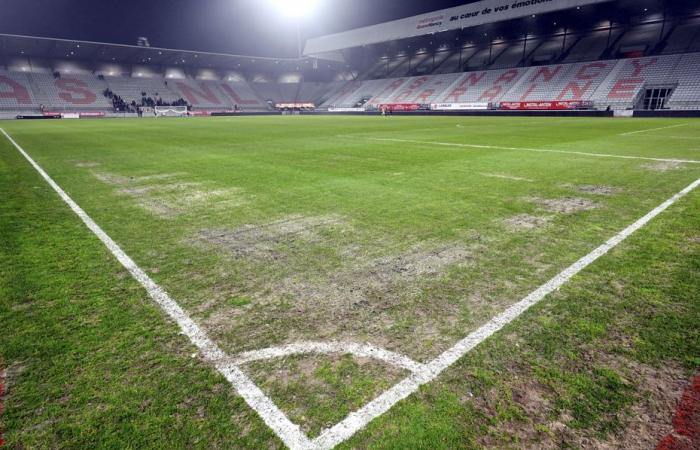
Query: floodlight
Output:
(296,8)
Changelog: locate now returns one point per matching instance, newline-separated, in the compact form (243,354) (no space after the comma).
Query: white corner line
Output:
(325,348)
(524,149)
(290,433)
(653,129)
(359,419)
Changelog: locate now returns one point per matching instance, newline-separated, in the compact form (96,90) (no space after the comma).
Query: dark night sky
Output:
(251,27)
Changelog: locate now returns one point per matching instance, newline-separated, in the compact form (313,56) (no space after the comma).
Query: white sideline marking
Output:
(359,350)
(290,433)
(653,129)
(540,150)
(359,419)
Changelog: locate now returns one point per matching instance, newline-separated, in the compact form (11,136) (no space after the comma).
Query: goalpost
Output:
(171,111)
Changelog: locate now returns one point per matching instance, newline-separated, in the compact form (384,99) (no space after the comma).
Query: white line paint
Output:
(343,348)
(359,419)
(506,177)
(290,433)
(539,150)
(653,129)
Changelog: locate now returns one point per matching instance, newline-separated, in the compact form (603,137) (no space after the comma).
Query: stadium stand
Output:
(133,89)
(15,93)
(617,83)
(69,92)
(601,60)
(577,81)
(486,86)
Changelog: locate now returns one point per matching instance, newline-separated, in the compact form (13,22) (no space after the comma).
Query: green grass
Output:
(282,229)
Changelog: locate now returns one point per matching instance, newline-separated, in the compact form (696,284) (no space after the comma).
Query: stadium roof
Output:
(50,48)
(460,17)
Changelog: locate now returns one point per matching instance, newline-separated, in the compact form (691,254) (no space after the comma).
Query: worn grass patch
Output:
(319,391)
(268,237)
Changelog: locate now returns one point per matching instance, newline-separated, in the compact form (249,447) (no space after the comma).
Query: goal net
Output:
(171,111)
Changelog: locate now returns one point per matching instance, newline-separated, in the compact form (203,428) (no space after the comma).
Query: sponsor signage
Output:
(470,15)
(294,105)
(458,106)
(346,109)
(401,107)
(91,114)
(546,106)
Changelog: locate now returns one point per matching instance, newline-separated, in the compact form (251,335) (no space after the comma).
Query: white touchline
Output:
(525,149)
(421,374)
(653,129)
(290,433)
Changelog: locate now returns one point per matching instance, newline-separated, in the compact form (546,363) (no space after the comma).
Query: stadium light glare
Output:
(296,8)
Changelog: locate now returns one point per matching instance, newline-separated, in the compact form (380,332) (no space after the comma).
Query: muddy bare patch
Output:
(506,177)
(10,376)
(566,205)
(170,205)
(663,166)
(317,291)
(597,189)
(162,197)
(121,180)
(647,421)
(262,240)
(379,279)
(650,418)
(137,191)
(159,208)
(526,222)
(318,391)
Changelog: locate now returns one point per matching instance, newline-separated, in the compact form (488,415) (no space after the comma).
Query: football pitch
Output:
(351,282)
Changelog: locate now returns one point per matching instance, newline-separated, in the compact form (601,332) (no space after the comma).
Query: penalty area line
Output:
(290,433)
(524,149)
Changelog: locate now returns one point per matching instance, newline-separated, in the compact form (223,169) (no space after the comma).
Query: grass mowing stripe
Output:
(268,411)
(541,150)
(359,419)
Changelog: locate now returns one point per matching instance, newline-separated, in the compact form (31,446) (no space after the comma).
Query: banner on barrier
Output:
(346,109)
(295,105)
(91,114)
(458,106)
(402,107)
(546,106)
